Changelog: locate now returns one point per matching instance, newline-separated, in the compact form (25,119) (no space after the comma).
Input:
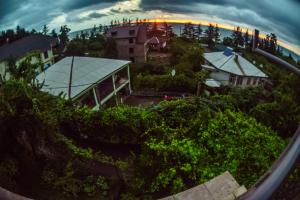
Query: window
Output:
(131,32)
(104,88)
(130,40)
(240,80)
(114,33)
(132,59)
(46,55)
(248,81)
(254,81)
(131,50)
(88,99)
(232,79)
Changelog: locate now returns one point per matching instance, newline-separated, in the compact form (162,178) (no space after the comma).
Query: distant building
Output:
(91,81)
(230,68)
(131,42)
(157,43)
(39,46)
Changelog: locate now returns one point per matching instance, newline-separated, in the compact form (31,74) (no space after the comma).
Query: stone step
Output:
(222,187)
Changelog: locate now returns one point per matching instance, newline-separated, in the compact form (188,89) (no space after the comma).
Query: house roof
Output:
(154,40)
(233,63)
(122,32)
(28,44)
(86,72)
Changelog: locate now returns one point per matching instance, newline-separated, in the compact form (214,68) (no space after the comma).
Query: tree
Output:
(237,37)
(199,31)
(216,34)
(53,33)
(45,30)
(63,36)
(210,34)
(227,41)
(247,40)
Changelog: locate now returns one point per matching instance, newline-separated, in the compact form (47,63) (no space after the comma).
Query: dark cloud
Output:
(279,16)
(92,15)
(77,4)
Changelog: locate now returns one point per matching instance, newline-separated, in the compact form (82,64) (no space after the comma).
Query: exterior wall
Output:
(35,59)
(221,76)
(224,78)
(139,54)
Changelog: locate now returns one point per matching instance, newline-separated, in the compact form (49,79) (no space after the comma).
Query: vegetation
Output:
(48,144)
(186,60)
(95,45)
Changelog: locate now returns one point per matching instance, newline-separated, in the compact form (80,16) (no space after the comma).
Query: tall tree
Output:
(237,37)
(53,33)
(217,34)
(63,36)
(210,34)
(45,30)
(246,39)
(199,31)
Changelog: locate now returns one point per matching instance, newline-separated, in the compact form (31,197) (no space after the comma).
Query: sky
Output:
(281,17)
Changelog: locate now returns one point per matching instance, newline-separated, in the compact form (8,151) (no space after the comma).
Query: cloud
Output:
(278,16)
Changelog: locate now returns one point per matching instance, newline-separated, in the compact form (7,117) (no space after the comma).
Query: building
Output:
(157,43)
(88,81)
(230,68)
(38,46)
(131,42)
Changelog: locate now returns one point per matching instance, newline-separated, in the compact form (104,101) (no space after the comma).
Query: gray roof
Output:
(123,32)
(28,44)
(86,72)
(241,67)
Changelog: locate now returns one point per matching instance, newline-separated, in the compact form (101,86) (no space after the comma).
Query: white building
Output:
(88,81)
(230,68)
(40,47)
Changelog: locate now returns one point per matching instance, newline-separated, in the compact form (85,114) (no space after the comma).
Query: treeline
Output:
(11,35)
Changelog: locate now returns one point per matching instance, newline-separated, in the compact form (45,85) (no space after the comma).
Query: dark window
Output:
(131,50)
(248,81)
(240,80)
(114,33)
(121,77)
(254,81)
(104,88)
(46,54)
(132,59)
(232,79)
(88,99)
(130,40)
(131,32)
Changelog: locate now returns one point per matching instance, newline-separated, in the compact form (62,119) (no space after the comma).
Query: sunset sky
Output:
(277,16)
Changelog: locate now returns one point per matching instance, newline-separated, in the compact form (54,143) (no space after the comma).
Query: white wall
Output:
(35,59)
(221,76)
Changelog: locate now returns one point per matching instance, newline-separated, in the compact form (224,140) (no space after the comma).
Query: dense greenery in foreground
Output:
(181,144)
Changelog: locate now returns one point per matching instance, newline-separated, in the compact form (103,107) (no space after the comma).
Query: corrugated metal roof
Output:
(86,72)
(122,32)
(28,44)
(229,64)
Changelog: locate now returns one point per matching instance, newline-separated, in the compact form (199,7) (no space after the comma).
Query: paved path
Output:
(222,187)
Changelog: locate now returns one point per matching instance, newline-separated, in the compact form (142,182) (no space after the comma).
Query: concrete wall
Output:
(221,76)
(139,54)
(224,78)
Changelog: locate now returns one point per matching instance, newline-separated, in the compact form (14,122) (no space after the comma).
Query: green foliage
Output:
(95,46)
(178,158)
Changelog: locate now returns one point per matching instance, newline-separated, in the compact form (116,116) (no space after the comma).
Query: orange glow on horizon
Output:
(224,26)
